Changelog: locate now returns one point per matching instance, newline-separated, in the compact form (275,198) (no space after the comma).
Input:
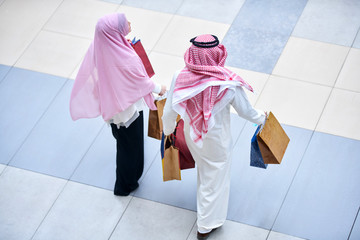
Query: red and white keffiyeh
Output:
(204,87)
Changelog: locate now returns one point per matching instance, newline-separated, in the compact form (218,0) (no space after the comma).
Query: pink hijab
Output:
(201,88)
(112,77)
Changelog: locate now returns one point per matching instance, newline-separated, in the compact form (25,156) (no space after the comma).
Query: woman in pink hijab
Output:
(202,94)
(112,82)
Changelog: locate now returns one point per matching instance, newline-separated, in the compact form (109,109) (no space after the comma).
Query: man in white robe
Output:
(202,94)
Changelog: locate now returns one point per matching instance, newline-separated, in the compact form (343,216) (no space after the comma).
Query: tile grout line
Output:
(90,145)
(352,227)
(122,215)
(289,36)
(332,90)
(193,226)
(292,181)
(51,207)
(7,73)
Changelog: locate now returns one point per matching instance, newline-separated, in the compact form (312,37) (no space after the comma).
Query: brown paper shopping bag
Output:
(272,141)
(170,160)
(155,127)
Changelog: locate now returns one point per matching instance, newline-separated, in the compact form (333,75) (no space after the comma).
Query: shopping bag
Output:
(155,126)
(272,141)
(139,49)
(170,159)
(186,159)
(256,159)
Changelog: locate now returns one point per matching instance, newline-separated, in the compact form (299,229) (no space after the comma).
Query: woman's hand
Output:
(163,90)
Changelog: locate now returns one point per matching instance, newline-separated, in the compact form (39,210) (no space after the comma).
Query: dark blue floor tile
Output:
(259,33)
(324,198)
(57,144)
(99,164)
(3,71)
(167,6)
(24,97)
(256,194)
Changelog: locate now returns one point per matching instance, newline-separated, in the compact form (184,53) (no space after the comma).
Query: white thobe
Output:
(213,159)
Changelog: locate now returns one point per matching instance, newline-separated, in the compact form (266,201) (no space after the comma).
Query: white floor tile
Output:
(294,102)
(79,17)
(234,230)
(165,66)
(341,114)
(25,199)
(146,25)
(281,236)
(175,39)
(20,22)
(349,77)
(54,53)
(255,79)
(311,61)
(148,220)
(82,212)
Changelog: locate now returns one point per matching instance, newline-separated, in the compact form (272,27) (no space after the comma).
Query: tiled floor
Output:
(303,59)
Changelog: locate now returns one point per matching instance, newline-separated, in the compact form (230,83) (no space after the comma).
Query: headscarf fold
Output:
(111,77)
(204,86)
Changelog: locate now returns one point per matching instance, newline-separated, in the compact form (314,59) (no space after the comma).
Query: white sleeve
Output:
(157,88)
(244,108)
(169,115)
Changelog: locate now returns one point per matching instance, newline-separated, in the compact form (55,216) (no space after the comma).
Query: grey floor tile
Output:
(57,144)
(355,233)
(324,198)
(331,21)
(24,97)
(25,199)
(82,212)
(256,194)
(167,6)
(259,33)
(211,10)
(3,71)
(234,230)
(150,220)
